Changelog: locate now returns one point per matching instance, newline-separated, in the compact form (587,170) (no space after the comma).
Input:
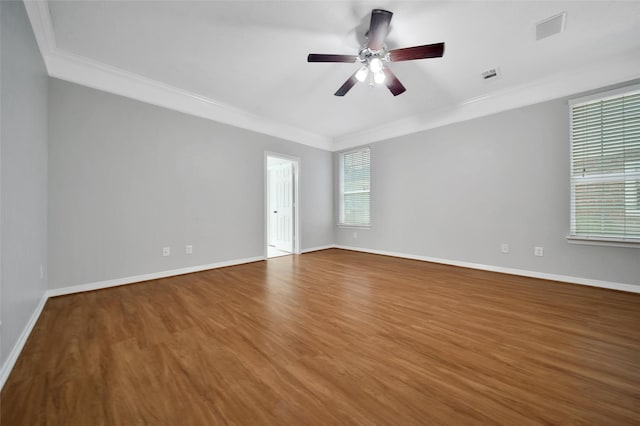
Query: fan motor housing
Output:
(366,54)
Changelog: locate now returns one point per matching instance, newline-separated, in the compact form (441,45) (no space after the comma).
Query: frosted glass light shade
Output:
(362,74)
(376,65)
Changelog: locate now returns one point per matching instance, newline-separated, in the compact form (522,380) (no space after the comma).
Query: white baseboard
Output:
(318,248)
(146,277)
(17,348)
(522,272)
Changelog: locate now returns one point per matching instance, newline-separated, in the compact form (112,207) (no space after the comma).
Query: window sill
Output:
(601,241)
(354,226)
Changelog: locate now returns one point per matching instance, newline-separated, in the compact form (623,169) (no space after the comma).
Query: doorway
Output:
(281,212)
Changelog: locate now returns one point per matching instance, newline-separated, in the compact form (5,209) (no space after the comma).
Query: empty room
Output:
(319,212)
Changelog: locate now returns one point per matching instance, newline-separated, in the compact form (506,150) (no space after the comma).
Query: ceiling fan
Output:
(374,54)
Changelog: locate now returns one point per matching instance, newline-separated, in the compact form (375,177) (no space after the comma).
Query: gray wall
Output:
(23,165)
(458,192)
(127,178)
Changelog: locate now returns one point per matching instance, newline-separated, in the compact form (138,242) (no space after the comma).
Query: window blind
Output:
(605,167)
(355,187)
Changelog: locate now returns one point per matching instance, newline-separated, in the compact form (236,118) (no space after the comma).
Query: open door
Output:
(281,216)
(281,206)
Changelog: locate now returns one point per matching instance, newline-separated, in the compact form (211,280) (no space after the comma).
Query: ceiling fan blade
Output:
(378,28)
(319,57)
(418,52)
(392,82)
(347,85)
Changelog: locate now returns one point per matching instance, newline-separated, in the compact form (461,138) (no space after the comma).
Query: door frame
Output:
(296,201)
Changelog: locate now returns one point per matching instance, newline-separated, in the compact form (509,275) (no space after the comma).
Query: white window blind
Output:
(355,187)
(605,167)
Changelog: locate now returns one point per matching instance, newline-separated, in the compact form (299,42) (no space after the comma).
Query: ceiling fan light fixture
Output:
(374,53)
(362,74)
(376,65)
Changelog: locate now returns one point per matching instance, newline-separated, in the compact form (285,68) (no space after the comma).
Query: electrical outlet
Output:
(504,248)
(166,251)
(355,235)
(188,249)
(41,271)
(538,251)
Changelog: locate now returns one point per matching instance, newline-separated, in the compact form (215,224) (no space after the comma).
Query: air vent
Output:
(491,74)
(551,26)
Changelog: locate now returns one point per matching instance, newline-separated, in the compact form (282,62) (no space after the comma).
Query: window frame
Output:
(341,192)
(573,237)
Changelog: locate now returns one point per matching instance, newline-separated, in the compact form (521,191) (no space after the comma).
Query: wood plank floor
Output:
(332,337)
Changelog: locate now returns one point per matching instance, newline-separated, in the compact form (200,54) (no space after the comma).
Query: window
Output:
(605,166)
(355,188)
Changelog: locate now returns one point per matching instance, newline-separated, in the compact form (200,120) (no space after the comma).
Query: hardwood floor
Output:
(332,337)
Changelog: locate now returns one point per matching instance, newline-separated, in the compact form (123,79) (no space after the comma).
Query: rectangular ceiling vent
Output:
(491,74)
(551,26)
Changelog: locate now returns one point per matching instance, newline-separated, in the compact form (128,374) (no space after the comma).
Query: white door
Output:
(281,207)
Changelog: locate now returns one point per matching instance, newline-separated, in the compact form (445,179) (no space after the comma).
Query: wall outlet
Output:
(538,251)
(41,271)
(355,235)
(166,251)
(504,248)
(188,249)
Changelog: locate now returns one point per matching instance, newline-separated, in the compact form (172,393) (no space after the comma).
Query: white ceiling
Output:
(248,59)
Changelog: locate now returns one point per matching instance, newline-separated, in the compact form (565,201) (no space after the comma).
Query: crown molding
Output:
(38,12)
(87,72)
(612,71)
(97,75)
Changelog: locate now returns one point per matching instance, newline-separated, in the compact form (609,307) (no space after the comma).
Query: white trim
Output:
(582,238)
(5,371)
(603,96)
(37,11)
(146,277)
(40,17)
(612,71)
(104,77)
(296,200)
(317,248)
(88,72)
(512,271)
(603,241)
(100,76)
(341,193)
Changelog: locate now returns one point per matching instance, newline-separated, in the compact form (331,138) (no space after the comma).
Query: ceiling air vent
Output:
(551,26)
(491,74)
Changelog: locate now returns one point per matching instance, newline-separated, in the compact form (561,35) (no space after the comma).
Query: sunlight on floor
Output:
(274,252)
